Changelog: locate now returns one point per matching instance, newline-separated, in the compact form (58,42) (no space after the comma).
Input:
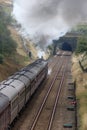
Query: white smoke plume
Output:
(49,71)
(45,20)
(41,53)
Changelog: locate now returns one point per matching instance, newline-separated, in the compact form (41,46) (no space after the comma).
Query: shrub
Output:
(1,58)
(7,44)
(81,45)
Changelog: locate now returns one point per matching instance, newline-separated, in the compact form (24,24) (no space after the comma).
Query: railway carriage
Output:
(20,87)
(12,94)
(25,95)
(4,112)
(17,90)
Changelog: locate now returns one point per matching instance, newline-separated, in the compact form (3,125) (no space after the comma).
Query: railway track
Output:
(52,64)
(56,100)
(44,108)
(63,116)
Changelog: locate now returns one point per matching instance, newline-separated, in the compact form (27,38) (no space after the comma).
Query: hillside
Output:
(81,89)
(25,53)
(20,58)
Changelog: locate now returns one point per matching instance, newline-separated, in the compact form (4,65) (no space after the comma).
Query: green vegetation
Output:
(81,76)
(81,45)
(51,48)
(7,44)
(1,58)
(81,92)
(82,29)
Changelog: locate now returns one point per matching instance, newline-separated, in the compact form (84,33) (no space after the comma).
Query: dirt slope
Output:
(81,92)
(20,58)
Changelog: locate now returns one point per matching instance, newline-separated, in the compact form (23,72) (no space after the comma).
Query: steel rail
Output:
(45,98)
(56,100)
(53,66)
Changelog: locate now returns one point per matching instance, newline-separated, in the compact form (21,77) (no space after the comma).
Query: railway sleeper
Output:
(71,89)
(68,125)
(71,97)
(71,108)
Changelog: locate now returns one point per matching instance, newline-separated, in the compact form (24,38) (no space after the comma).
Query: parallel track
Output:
(56,100)
(46,97)
(54,90)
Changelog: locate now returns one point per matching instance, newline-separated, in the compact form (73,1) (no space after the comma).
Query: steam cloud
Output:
(45,20)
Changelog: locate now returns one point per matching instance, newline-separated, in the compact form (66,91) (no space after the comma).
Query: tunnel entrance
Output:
(66,46)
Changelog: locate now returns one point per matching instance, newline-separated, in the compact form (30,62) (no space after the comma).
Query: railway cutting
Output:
(40,101)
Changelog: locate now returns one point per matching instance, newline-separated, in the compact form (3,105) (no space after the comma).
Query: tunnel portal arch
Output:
(66,46)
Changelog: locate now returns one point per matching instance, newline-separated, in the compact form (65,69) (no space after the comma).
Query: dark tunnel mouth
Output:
(66,46)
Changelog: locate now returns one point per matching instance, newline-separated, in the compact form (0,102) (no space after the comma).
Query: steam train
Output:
(17,90)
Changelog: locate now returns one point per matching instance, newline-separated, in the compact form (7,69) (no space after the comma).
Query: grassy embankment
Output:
(18,60)
(81,90)
(12,62)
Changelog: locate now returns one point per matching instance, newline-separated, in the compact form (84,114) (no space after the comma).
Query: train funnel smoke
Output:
(46,20)
(49,71)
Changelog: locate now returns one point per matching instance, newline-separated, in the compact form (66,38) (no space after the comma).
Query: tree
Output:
(7,44)
(81,45)
(1,59)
